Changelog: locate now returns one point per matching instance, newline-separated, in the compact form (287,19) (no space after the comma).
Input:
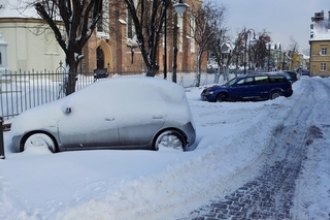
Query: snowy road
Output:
(279,190)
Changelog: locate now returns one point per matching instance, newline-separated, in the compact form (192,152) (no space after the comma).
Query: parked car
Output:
(249,87)
(291,75)
(305,73)
(120,113)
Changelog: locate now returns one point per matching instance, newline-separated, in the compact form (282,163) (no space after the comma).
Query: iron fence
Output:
(20,91)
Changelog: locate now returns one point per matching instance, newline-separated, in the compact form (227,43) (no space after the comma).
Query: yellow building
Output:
(320,46)
(320,57)
(295,61)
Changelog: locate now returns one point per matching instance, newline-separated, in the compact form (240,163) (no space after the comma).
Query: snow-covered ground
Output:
(140,185)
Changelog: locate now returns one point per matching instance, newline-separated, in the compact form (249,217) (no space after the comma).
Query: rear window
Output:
(261,79)
(277,79)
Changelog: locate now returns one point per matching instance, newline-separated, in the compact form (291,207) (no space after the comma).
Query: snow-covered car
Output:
(119,113)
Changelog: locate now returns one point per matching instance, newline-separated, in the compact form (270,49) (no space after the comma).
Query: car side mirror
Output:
(68,110)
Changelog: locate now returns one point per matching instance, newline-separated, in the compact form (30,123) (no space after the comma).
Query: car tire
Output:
(170,140)
(40,140)
(221,97)
(274,95)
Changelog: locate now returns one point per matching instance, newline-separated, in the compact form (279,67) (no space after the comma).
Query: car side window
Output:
(261,80)
(245,82)
(277,79)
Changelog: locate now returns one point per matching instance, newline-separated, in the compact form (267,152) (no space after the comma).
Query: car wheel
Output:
(221,97)
(169,141)
(40,141)
(274,95)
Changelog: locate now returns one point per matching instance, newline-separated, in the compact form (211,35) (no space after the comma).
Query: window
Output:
(261,79)
(192,33)
(324,51)
(277,79)
(100,24)
(323,66)
(129,25)
(180,32)
(246,81)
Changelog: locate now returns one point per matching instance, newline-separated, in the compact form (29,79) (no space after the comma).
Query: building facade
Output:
(31,44)
(114,47)
(320,45)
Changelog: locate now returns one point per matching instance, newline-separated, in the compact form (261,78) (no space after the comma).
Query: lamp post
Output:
(180,7)
(268,57)
(246,33)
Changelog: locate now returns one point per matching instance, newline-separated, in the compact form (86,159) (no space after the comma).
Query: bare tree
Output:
(260,52)
(78,19)
(207,20)
(148,18)
(293,51)
(215,44)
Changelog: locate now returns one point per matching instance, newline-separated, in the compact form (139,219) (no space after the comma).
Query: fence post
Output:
(2,149)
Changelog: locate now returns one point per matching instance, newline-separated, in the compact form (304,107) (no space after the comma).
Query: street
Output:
(275,192)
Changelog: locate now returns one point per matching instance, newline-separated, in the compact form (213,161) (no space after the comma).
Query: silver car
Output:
(118,113)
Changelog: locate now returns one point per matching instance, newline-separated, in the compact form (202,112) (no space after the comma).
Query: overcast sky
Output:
(284,19)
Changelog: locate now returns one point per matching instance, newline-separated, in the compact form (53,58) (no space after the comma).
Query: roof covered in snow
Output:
(320,30)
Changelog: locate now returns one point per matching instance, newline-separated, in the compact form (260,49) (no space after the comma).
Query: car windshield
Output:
(230,82)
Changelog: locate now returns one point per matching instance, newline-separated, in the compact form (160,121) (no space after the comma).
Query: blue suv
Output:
(256,87)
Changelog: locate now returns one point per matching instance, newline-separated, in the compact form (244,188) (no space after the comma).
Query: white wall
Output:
(28,50)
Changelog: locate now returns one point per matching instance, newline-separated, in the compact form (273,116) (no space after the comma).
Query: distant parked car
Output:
(292,76)
(249,87)
(305,73)
(120,113)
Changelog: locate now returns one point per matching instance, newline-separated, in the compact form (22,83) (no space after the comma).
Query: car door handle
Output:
(110,119)
(157,117)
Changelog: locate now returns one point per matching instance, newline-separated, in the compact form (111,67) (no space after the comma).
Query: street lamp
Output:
(180,7)
(246,33)
(268,57)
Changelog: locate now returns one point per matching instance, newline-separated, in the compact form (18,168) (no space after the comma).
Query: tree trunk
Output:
(199,68)
(72,67)
(152,71)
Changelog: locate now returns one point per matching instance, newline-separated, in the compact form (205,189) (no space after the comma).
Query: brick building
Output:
(113,45)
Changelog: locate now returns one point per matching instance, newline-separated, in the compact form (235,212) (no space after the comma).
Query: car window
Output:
(277,79)
(230,82)
(261,79)
(245,81)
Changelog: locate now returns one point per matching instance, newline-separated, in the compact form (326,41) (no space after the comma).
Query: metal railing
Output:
(2,148)
(20,91)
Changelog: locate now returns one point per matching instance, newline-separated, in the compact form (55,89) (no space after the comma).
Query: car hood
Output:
(43,117)
(216,87)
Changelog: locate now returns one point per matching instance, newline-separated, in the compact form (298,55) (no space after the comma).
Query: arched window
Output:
(99,58)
